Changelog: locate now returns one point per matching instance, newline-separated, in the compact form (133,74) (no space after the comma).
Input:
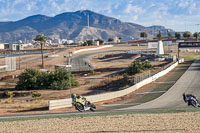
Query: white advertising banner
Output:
(167,43)
(152,44)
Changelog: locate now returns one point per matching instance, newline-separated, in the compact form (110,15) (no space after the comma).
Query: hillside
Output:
(73,26)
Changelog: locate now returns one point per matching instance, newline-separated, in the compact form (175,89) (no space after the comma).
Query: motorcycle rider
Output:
(188,97)
(78,97)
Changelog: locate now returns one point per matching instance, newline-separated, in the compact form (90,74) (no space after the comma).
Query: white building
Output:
(14,46)
(96,43)
(70,41)
(64,41)
(2,46)
(152,44)
(56,41)
(116,40)
(67,41)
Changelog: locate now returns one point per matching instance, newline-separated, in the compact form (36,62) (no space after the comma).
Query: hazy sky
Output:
(180,15)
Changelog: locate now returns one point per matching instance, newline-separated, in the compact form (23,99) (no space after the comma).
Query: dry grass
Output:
(144,123)
(22,104)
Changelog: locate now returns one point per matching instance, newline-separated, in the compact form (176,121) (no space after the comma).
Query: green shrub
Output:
(147,65)
(135,67)
(36,95)
(92,72)
(60,85)
(10,94)
(138,66)
(28,80)
(32,79)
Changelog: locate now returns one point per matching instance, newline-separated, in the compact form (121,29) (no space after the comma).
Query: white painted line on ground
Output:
(151,92)
(165,82)
(107,105)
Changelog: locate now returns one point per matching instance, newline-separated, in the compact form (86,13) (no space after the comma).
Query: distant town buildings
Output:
(2,46)
(116,40)
(96,43)
(15,46)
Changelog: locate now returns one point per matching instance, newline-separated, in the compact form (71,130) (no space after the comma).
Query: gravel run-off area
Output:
(127,123)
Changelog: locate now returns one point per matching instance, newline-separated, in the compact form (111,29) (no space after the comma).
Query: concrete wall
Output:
(90,49)
(55,104)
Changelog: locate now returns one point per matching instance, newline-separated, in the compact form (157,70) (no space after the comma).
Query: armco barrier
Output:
(55,104)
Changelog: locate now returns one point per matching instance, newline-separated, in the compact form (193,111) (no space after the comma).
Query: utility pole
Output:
(19,55)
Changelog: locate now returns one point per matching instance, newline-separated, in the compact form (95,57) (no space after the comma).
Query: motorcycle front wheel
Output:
(79,107)
(92,107)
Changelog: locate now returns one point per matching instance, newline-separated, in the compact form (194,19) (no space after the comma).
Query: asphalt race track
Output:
(81,62)
(188,83)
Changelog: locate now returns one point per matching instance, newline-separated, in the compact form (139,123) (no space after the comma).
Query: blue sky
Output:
(180,15)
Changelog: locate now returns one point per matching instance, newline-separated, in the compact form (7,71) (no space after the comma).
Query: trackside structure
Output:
(187,45)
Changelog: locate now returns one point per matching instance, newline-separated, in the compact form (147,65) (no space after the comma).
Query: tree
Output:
(28,80)
(170,35)
(178,35)
(89,42)
(61,80)
(143,34)
(187,34)
(120,38)
(101,41)
(110,39)
(159,35)
(196,35)
(138,66)
(42,40)
(32,79)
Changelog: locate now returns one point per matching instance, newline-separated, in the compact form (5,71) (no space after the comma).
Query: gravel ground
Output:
(141,123)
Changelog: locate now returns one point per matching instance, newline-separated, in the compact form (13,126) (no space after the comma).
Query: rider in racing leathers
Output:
(75,96)
(188,97)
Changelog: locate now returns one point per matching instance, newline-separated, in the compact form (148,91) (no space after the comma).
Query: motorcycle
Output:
(83,105)
(194,102)
(191,100)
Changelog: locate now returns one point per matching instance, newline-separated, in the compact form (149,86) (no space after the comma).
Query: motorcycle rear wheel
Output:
(194,103)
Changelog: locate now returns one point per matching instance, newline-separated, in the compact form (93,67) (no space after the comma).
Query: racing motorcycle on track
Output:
(191,100)
(81,104)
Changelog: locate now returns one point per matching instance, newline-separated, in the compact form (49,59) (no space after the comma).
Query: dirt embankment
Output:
(141,123)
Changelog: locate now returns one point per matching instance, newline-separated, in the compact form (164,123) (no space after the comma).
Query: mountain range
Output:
(74,26)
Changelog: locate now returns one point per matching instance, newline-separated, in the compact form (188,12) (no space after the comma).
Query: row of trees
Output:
(186,34)
(32,79)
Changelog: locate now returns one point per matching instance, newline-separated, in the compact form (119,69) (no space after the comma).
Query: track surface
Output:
(188,83)
(81,62)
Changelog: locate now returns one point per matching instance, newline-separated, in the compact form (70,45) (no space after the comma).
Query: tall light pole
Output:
(19,55)
(70,80)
